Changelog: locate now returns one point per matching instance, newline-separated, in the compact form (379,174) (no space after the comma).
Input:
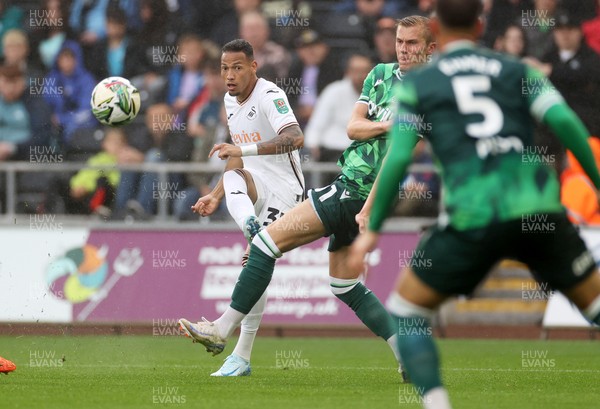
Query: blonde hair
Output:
(15,36)
(417,21)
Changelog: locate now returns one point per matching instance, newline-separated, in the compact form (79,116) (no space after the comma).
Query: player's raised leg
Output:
(346,286)
(412,304)
(240,196)
(299,226)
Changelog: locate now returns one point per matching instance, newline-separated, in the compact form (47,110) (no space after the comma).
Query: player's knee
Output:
(266,244)
(234,175)
(341,286)
(401,307)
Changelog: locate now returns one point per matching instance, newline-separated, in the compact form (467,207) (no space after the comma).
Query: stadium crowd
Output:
(53,52)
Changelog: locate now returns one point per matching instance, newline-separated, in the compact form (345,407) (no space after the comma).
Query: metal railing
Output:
(313,173)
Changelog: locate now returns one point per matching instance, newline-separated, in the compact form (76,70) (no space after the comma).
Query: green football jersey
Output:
(479,108)
(361,161)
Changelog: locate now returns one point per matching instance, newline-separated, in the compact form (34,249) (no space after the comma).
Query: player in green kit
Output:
(499,201)
(330,211)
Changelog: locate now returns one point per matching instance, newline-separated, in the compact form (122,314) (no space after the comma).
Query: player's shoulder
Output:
(383,70)
(477,58)
(268,89)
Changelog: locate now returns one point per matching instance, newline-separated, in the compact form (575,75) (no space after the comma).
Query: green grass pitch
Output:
(164,371)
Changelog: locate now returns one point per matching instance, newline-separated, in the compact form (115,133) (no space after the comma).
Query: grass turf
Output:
(161,371)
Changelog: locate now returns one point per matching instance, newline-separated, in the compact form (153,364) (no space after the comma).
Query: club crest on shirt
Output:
(281,106)
(252,114)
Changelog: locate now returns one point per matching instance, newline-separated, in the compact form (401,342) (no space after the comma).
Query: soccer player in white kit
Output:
(262,179)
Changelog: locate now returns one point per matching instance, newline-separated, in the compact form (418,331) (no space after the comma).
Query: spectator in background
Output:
(152,52)
(591,31)
(227,28)
(502,14)
(206,125)
(11,17)
(512,41)
(88,18)
(385,40)
(574,69)
(16,53)
(205,114)
(272,59)
(199,17)
(93,190)
(326,135)
(577,193)
(23,119)
(186,80)
(72,86)
(152,48)
(419,8)
(109,57)
(368,12)
(48,33)
(138,192)
(581,10)
(314,68)
(538,24)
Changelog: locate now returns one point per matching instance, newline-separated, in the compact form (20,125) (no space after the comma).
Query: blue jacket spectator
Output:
(111,56)
(185,79)
(73,85)
(23,119)
(88,19)
(10,17)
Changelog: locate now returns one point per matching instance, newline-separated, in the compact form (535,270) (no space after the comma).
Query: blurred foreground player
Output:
(497,204)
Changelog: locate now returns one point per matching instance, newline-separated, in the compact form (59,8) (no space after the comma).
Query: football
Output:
(115,101)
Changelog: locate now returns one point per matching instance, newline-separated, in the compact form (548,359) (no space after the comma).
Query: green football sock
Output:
(418,352)
(369,309)
(253,280)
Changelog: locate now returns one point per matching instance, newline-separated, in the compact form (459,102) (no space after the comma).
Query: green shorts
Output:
(455,262)
(336,206)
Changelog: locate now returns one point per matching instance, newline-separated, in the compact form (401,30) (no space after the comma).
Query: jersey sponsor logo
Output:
(378,112)
(281,106)
(244,137)
(251,114)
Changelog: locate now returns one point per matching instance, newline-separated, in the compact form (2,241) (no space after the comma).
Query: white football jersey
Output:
(260,118)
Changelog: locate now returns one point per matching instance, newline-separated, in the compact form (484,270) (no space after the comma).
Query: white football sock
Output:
(249,328)
(393,343)
(228,322)
(238,202)
(436,398)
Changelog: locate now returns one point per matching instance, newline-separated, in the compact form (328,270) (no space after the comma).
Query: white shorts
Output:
(270,206)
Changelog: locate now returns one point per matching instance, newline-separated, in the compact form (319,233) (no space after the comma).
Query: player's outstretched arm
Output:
(207,205)
(360,128)
(362,218)
(288,140)
(384,193)
(573,134)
